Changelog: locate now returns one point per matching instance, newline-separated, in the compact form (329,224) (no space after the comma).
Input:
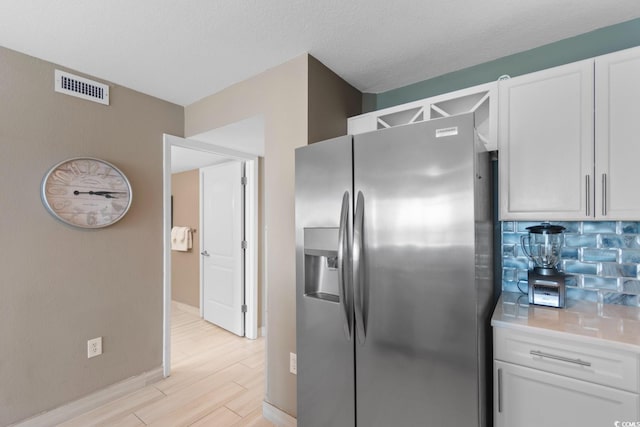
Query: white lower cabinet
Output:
(526,397)
(549,380)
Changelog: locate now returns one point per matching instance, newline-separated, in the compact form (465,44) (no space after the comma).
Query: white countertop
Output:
(605,324)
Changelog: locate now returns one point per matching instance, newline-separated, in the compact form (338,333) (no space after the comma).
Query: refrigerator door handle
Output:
(344,272)
(358,279)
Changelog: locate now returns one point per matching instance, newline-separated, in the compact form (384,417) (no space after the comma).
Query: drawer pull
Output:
(561,358)
(499,390)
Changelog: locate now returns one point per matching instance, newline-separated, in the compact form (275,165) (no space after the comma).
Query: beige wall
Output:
(61,286)
(185,266)
(282,96)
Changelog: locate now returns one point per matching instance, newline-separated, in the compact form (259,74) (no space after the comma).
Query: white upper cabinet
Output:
(617,116)
(480,100)
(546,144)
(569,151)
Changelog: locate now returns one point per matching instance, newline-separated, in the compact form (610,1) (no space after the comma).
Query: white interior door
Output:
(222,253)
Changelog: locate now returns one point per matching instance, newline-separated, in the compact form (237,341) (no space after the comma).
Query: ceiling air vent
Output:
(82,88)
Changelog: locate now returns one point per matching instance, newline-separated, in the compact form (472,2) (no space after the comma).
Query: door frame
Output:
(251,235)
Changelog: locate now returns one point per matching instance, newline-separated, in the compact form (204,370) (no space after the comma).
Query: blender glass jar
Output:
(543,246)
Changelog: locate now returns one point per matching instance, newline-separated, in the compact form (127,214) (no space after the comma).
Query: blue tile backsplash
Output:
(601,257)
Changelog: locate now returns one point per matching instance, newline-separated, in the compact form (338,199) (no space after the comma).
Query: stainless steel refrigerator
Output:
(394,277)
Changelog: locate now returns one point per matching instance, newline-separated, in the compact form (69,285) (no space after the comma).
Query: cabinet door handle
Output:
(500,390)
(587,182)
(561,358)
(604,194)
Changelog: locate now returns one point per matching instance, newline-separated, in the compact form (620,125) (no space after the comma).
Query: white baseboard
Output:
(92,401)
(277,416)
(186,307)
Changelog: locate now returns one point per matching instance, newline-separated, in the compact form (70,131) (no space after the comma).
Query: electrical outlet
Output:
(293,363)
(94,347)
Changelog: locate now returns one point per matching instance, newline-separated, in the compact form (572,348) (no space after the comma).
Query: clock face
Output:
(86,192)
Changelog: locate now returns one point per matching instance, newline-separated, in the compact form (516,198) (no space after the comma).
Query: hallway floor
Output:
(217,379)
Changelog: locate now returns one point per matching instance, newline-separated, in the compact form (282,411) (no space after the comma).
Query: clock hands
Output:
(106,194)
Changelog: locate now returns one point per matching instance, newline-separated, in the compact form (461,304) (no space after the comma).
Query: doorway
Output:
(250,202)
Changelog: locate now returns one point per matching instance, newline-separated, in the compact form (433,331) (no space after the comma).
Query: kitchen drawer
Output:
(526,397)
(563,356)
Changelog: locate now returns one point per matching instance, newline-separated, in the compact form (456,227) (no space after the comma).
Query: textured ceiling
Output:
(182,51)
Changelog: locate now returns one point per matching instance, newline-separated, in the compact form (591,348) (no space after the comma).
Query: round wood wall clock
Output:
(86,192)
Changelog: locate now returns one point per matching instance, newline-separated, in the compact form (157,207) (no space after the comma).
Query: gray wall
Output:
(594,43)
(331,101)
(61,286)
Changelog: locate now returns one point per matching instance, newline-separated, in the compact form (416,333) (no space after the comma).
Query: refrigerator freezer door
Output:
(325,354)
(418,364)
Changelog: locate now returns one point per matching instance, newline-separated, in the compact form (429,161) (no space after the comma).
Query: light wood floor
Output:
(217,379)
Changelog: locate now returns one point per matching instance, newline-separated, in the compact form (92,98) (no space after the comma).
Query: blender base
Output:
(547,289)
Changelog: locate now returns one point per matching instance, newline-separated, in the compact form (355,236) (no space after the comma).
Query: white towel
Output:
(181,239)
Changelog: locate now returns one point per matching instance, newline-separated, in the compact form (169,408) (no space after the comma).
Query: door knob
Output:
(205,253)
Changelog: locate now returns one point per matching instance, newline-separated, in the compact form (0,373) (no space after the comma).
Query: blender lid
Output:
(546,228)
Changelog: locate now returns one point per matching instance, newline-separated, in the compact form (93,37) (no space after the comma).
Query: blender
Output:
(543,246)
